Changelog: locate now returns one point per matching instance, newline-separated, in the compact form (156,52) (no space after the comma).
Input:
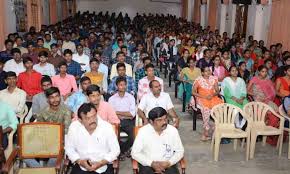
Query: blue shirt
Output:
(74,68)
(5,56)
(130,85)
(202,63)
(76,100)
(2,80)
(7,116)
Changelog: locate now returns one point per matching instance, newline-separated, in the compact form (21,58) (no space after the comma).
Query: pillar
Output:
(189,10)
(223,18)
(196,11)
(203,15)
(2,27)
(53,11)
(233,18)
(64,5)
(212,14)
(259,23)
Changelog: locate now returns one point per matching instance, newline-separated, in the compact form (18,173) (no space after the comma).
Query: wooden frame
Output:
(17,151)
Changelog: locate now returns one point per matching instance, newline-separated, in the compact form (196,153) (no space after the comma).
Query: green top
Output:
(7,116)
(62,115)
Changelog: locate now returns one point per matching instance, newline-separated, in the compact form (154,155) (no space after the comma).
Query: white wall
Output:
(251,20)
(130,6)
(10,15)
(45,11)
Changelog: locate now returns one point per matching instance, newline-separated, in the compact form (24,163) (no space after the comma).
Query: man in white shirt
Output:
(15,64)
(82,59)
(43,67)
(158,147)
(68,44)
(12,95)
(91,143)
(121,59)
(156,98)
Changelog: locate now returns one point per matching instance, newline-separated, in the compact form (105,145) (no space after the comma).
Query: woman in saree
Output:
(283,84)
(188,76)
(235,92)
(262,89)
(206,91)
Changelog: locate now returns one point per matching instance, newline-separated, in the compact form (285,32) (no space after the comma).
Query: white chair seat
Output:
(267,130)
(232,133)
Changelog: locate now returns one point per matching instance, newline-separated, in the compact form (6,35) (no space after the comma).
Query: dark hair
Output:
(67,51)
(119,65)
(124,46)
(62,63)
(261,67)
(232,67)
(241,63)
(188,60)
(19,37)
(8,41)
(27,59)
(97,52)
(85,108)
(285,58)
(121,79)
(150,65)
(10,74)
(48,92)
(45,78)
(92,88)
(156,112)
(119,53)
(94,60)
(267,60)
(29,43)
(84,78)
(286,67)
(246,50)
(202,69)
(206,50)
(15,50)
(43,53)
(151,83)
(146,58)
(38,39)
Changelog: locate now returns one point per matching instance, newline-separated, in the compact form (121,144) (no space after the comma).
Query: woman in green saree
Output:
(234,89)
(187,76)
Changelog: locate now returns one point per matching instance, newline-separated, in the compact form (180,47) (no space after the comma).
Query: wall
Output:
(251,20)
(9,11)
(45,10)
(129,6)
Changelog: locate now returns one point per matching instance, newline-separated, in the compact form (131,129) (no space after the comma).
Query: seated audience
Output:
(97,77)
(43,67)
(121,70)
(101,147)
(68,44)
(139,74)
(282,84)
(206,60)
(29,80)
(104,109)
(55,58)
(73,67)
(15,64)
(18,44)
(12,95)
(3,84)
(66,83)
(156,98)
(31,53)
(121,59)
(206,91)
(40,46)
(243,72)
(82,59)
(125,106)
(103,68)
(8,121)
(218,70)
(158,147)
(78,98)
(7,54)
(143,84)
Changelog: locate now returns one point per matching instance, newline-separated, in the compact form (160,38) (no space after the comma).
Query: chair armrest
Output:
(282,119)
(116,164)
(9,163)
(59,160)
(135,165)
(182,164)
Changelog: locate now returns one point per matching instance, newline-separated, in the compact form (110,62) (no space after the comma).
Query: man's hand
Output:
(165,164)
(85,164)
(157,167)
(176,122)
(96,165)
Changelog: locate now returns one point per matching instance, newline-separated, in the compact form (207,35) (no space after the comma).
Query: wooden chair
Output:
(224,117)
(257,111)
(38,140)
(282,112)
(135,166)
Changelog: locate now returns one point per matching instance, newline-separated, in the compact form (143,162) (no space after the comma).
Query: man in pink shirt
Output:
(143,84)
(104,109)
(64,82)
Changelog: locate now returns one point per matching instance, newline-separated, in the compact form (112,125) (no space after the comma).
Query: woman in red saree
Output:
(262,89)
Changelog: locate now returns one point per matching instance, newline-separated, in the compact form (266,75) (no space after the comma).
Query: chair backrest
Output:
(257,111)
(40,140)
(225,114)
(281,111)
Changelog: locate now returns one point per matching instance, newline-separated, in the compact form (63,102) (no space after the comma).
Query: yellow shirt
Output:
(96,79)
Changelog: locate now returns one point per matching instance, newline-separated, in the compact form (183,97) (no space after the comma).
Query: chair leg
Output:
(243,143)
(288,145)
(235,144)
(280,143)
(212,142)
(194,113)
(216,147)
(248,147)
(264,141)
(253,144)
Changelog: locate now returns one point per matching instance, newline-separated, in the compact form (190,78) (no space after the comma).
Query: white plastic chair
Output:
(282,112)
(257,111)
(23,114)
(224,116)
